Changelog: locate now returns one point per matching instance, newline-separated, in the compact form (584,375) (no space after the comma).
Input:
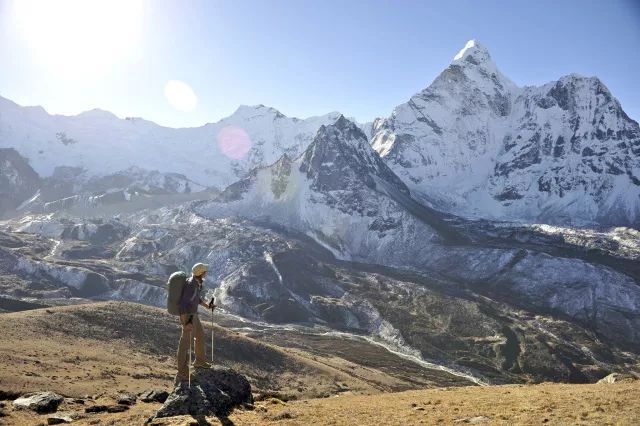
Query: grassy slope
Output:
(104,348)
(596,404)
(101,347)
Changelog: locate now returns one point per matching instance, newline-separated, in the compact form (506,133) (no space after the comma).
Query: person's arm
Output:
(207,305)
(202,302)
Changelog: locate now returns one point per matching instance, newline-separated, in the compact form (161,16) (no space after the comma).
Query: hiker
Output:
(191,325)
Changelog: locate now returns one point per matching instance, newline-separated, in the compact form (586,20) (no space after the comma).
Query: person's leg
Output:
(183,356)
(198,334)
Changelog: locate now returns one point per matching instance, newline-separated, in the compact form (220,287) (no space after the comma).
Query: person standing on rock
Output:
(191,325)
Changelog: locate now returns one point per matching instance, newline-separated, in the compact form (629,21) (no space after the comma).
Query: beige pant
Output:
(197,332)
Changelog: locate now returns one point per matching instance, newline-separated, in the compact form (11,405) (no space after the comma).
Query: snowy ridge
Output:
(330,193)
(103,144)
(474,143)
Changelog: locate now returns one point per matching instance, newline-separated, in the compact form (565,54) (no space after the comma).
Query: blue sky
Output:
(304,58)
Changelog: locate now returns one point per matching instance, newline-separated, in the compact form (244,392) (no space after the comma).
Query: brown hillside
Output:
(96,350)
(100,347)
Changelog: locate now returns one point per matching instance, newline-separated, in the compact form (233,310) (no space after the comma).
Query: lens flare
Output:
(180,95)
(234,142)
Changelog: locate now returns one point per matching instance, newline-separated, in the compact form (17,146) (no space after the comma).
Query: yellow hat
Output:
(199,269)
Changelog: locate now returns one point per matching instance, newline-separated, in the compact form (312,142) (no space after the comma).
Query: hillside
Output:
(95,351)
(600,404)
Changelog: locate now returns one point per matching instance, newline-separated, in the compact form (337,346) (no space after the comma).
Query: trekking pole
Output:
(211,304)
(189,365)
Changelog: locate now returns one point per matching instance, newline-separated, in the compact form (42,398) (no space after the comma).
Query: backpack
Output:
(175,285)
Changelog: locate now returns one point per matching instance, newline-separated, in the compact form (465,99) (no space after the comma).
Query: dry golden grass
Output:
(102,349)
(48,350)
(557,404)
(99,348)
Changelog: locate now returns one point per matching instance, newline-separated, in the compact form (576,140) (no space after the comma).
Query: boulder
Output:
(618,378)
(154,395)
(117,408)
(41,402)
(57,419)
(96,409)
(61,418)
(214,392)
(126,399)
(106,409)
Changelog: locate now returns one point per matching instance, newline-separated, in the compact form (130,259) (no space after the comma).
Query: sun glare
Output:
(78,38)
(180,95)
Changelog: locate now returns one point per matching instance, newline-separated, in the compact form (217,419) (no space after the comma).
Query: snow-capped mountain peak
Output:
(343,135)
(337,192)
(251,111)
(475,62)
(474,50)
(340,156)
(474,143)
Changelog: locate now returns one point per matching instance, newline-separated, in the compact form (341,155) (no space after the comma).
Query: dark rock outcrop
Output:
(106,408)
(154,395)
(96,409)
(126,399)
(5,395)
(213,392)
(41,402)
(18,181)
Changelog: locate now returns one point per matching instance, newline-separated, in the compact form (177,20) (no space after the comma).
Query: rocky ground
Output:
(594,404)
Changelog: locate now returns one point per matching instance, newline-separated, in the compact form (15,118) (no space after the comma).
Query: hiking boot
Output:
(179,381)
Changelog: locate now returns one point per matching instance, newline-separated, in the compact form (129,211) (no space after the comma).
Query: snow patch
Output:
(470,45)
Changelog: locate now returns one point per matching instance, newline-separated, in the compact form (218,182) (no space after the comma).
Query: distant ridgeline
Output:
(472,144)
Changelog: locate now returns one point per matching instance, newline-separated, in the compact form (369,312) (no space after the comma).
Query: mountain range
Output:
(413,231)
(334,239)
(471,144)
